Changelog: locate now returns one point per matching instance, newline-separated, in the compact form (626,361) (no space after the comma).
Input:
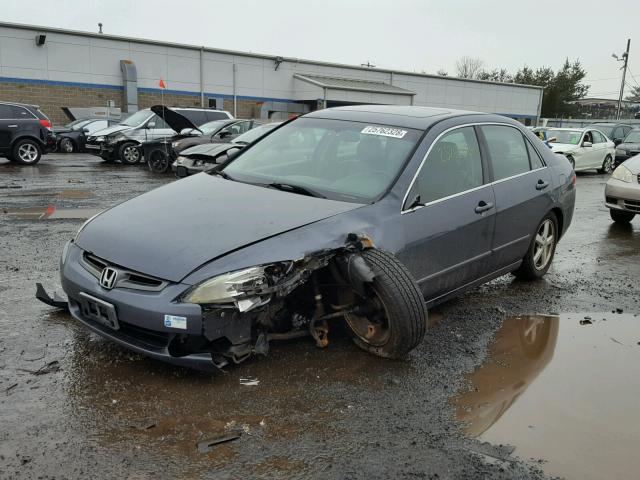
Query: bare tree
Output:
(469,67)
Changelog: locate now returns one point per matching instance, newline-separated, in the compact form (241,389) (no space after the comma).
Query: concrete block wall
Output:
(52,98)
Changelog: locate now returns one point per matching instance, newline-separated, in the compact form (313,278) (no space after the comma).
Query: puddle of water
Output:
(561,391)
(50,212)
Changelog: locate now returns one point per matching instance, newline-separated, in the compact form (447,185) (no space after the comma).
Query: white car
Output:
(585,148)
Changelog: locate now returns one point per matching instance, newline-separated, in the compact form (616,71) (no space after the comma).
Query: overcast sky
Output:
(413,35)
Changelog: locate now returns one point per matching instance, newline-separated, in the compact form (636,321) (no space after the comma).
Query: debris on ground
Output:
(10,387)
(207,444)
(586,321)
(50,367)
(249,381)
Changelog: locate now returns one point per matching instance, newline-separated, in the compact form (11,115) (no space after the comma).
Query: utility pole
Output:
(625,59)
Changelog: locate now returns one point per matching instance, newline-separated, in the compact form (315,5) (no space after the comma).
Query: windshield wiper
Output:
(221,173)
(286,187)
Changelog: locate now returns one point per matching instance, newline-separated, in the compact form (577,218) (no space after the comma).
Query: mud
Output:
(103,412)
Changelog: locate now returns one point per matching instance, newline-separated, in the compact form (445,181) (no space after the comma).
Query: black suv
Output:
(25,133)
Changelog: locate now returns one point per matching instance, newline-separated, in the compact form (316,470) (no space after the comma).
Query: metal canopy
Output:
(351,84)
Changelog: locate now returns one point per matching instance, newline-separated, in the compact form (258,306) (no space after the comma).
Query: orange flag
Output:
(161,84)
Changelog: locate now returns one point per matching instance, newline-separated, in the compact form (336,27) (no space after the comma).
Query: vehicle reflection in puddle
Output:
(561,391)
(49,212)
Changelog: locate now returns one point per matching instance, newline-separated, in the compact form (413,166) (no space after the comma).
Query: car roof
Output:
(400,116)
(572,129)
(28,105)
(612,124)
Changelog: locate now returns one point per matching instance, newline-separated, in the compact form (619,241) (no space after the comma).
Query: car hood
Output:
(629,146)
(110,130)
(208,149)
(633,164)
(61,129)
(174,119)
(171,231)
(563,147)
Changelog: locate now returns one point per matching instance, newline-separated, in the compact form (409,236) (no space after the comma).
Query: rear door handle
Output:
(541,185)
(12,126)
(483,206)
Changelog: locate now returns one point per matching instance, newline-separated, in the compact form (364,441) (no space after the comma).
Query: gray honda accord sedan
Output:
(363,216)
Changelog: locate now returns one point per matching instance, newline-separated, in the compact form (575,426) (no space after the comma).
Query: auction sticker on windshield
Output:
(384,131)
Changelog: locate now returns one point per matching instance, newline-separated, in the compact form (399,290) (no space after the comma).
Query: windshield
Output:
(80,124)
(571,137)
(254,133)
(137,118)
(212,127)
(633,137)
(340,160)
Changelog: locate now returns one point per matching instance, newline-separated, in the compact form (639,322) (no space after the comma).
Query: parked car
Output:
(161,153)
(585,148)
(221,131)
(613,131)
(630,147)
(73,136)
(25,133)
(622,191)
(122,141)
(366,214)
(202,157)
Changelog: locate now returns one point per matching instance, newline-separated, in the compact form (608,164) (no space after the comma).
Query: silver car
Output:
(622,192)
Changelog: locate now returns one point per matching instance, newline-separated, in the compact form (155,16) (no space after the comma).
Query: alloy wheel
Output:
(131,154)
(607,166)
(28,153)
(544,244)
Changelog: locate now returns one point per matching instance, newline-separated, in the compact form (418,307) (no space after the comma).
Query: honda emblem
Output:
(108,278)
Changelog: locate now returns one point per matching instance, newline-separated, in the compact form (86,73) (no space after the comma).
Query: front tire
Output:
(26,152)
(398,320)
(607,165)
(572,161)
(129,153)
(620,216)
(159,162)
(537,261)
(67,146)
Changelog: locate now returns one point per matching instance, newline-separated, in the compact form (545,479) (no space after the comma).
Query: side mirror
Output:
(587,144)
(617,141)
(85,130)
(151,125)
(224,134)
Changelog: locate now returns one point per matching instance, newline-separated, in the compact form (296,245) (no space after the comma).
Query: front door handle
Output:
(541,185)
(483,206)
(12,126)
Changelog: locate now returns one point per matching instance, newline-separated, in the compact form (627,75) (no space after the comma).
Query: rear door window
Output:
(534,157)
(197,117)
(507,150)
(598,137)
(22,113)
(6,112)
(453,166)
(211,115)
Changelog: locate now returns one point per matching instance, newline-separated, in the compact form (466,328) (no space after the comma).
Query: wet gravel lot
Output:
(75,406)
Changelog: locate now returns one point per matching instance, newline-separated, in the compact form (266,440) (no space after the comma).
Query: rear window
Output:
(198,117)
(6,111)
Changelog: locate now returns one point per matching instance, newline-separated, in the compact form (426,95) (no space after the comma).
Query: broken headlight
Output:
(247,288)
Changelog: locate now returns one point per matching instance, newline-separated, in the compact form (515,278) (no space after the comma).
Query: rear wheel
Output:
(397,316)
(67,146)
(620,216)
(129,153)
(26,152)
(607,165)
(541,251)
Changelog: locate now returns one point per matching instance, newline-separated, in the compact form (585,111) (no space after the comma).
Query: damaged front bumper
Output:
(160,324)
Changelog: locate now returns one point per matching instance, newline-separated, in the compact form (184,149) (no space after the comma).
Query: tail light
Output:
(45,123)
(574,179)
